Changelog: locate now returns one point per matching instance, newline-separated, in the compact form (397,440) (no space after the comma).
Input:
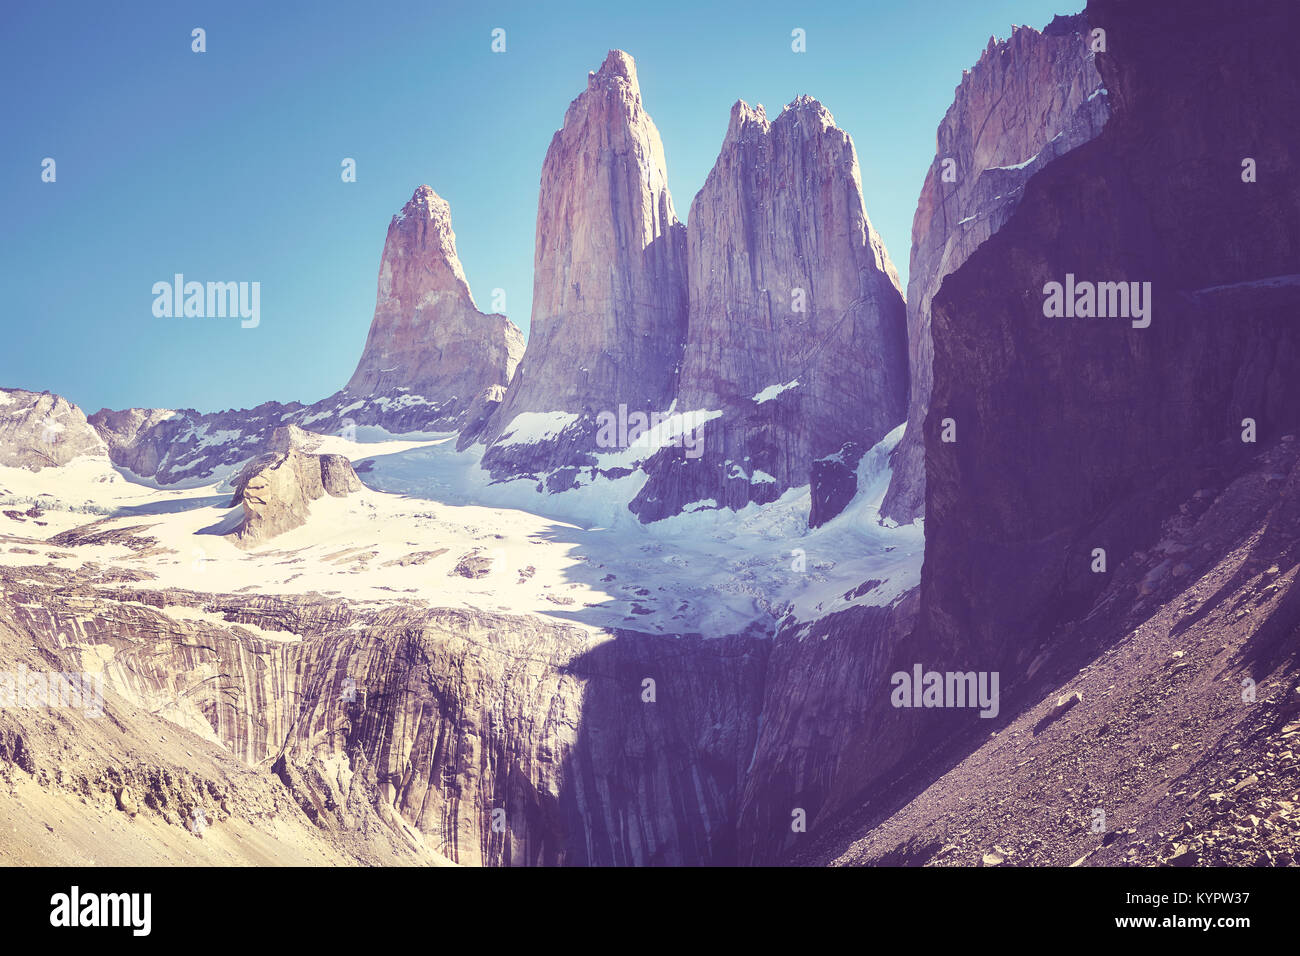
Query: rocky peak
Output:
(618,68)
(424,224)
(746,121)
(428,342)
(796,328)
(39,430)
(806,106)
(609,293)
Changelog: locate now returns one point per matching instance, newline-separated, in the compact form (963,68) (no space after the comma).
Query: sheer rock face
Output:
(820,734)
(429,720)
(797,329)
(277,489)
(42,430)
(428,340)
(1074,432)
(1029,99)
(609,289)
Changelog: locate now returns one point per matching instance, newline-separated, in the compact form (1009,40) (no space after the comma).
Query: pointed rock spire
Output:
(428,338)
(609,287)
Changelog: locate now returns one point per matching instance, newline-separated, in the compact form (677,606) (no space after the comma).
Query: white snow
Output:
(708,570)
(1018,165)
(1272,282)
(527,428)
(772,391)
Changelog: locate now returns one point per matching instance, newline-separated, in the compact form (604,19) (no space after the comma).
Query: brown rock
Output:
(276,489)
(609,294)
(428,341)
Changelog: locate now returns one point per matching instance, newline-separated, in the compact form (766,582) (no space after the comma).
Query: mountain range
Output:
(644,590)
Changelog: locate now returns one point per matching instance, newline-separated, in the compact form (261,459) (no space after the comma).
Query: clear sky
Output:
(225,165)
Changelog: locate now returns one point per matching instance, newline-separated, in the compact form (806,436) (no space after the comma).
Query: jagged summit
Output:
(746,120)
(617,66)
(803,103)
(796,329)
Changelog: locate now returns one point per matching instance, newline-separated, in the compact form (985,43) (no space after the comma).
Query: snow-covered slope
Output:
(431,526)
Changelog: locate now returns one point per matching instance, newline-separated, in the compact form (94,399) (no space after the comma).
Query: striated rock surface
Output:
(429,345)
(277,489)
(816,748)
(797,329)
(1030,99)
(42,430)
(407,725)
(609,288)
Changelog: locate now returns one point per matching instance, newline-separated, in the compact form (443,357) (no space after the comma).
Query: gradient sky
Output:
(225,165)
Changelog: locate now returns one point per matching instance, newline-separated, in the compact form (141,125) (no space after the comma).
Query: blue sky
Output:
(225,165)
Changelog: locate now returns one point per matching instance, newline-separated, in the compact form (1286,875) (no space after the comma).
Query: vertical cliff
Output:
(796,331)
(428,343)
(609,287)
(1030,98)
(1071,431)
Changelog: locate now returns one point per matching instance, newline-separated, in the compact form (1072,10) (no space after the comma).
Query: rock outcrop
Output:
(609,287)
(42,430)
(797,330)
(1030,99)
(276,489)
(429,345)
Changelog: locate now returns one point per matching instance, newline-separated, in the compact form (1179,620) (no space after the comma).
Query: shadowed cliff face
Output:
(1074,434)
(1069,430)
(1030,99)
